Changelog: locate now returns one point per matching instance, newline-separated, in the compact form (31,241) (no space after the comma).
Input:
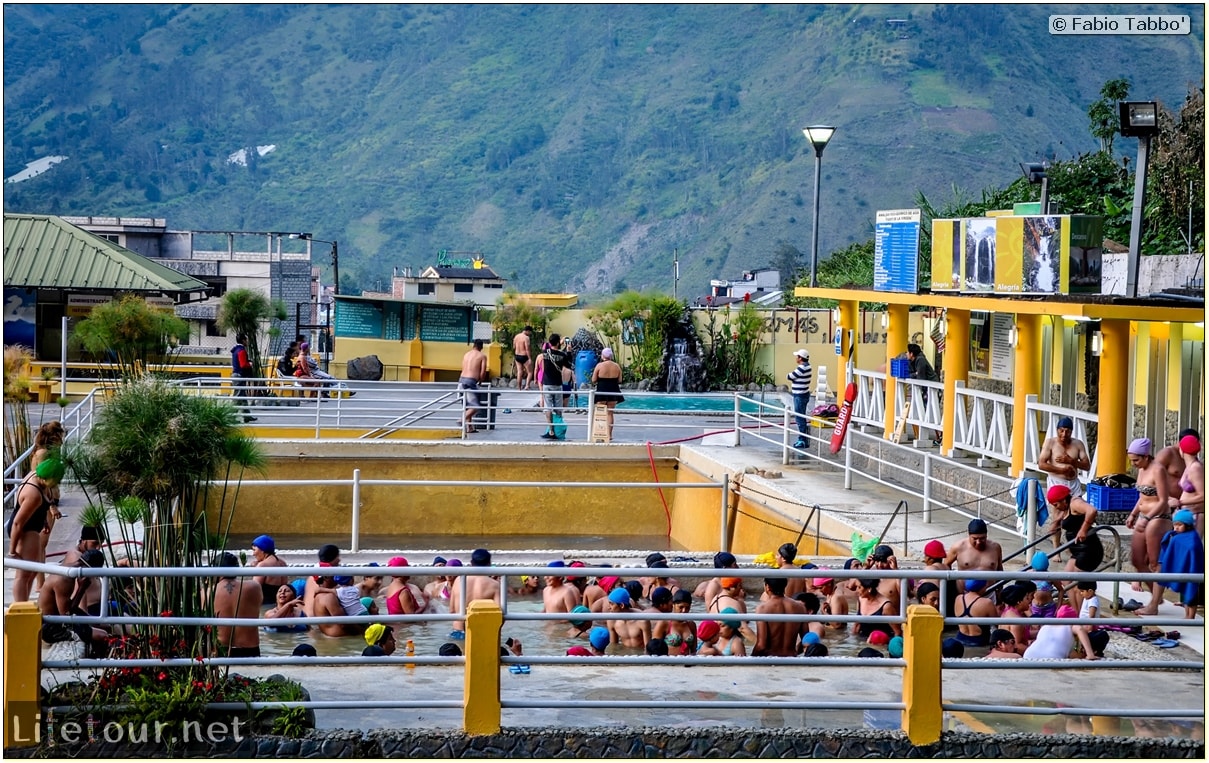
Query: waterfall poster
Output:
(20,316)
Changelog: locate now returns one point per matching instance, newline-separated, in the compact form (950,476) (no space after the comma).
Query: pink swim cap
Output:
(1190,444)
(879,638)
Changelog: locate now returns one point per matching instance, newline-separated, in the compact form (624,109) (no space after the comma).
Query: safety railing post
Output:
(1030,529)
(318,411)
(725,511)
(481,695)
(927,488)
(591,413)
(22,674)
(922,713)
(785,426)
(738,441)
(355,541)
(848,460)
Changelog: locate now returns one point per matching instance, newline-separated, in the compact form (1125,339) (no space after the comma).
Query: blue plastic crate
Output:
(1112,498)
(900,368)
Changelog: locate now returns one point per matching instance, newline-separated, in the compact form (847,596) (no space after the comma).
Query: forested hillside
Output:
(574,145)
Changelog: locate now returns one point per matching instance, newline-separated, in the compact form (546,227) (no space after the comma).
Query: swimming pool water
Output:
(714,403)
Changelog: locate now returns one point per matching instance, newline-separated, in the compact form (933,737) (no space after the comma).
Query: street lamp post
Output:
(819,136)
(335,258)
(1139,119)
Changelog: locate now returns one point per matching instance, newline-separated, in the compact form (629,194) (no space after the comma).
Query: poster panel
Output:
(1085,261)
(947,263)
(20,316)
(1009,235)
(978,273)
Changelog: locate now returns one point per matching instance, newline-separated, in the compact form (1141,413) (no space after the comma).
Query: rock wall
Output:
(655,743)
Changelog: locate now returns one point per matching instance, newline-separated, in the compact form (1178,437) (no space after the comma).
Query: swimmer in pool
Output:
(682,634)
(557,595)
(629,633)
(661,602)
(289,606)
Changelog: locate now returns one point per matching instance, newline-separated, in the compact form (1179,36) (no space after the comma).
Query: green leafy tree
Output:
(1104,114)
(128,336)
(1176,188)
(250,313)
(512,314)
(643,321)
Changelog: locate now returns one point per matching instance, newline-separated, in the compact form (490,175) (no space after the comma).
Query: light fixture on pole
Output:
(1013,336)
(1097,343)
(819,136)
(335,258)
(1139,119)
(1035,173)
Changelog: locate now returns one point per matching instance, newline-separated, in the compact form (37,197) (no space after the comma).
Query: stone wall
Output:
(654,743)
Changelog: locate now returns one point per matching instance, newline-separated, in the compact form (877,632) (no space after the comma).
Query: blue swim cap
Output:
(810,638)
(732,624)
(299,587)
(620,596)
(896,647)
(975,585)
(1040,562)
(599,637)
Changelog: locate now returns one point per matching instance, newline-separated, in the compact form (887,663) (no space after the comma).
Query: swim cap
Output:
(606,353)
(810,638)
(1066,422)
(707,629)
(896,646)
(654,557)
(620,596)
(454,563)
(975,585)
(661,595)
(608,581)
(265,543)
(730,582)
(724,559)
(557,563)
(883,551)
(344,580)
(575,651)
(1184,516)
(439,561)
(951,647)
(375,633)
(51,469)
(367,601)
(93,557)
(817,582)
(732,624)
(329,553)
(1067,610)
(1057,493)
(304,650)
(1190,444)
(935,549)
(577,610)
(480,557)
(1139,447)
(599,637)
(305,346)
(1040,562)
(879,638)
(92,532)
(397,561)
(977,527)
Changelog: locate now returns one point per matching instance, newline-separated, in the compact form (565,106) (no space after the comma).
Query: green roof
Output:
(46,252)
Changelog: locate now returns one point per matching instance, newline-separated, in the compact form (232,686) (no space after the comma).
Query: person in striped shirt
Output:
(800,380)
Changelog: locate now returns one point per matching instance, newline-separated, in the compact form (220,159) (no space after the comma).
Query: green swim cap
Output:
(580,623)
(51,469)
(733,624)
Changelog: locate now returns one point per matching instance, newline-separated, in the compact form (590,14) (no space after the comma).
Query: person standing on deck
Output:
(800,380)
(1063,457)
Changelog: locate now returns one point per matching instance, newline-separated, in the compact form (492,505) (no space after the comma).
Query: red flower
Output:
(166,613)
(163,676)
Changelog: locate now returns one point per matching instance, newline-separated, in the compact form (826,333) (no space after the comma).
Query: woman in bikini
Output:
(871,603)
(1150,519)
(50,436)
(1192,483)
(29,521)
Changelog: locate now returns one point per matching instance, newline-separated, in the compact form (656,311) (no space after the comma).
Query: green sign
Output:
(444,323)
(392,321)
(359,319)
(409,320)
(443,260)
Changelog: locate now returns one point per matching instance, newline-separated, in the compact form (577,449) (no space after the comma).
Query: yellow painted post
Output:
(1116,411)
(922,716)
(481,699)
(897,334)
(849,320)
(956,367)
(1027,381)
(22,674)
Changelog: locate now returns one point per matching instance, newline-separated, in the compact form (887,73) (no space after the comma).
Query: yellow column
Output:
(22,674)
(1027,381)
(850,318)
(956,367)
(1175,367)
(1116,411)
(1105,725)
(897,335)
(481,701)
(922,716)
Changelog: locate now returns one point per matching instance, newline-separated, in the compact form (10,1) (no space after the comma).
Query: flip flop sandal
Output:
(1173,635)
(524,669)
(1148,636)
(1165,643)
(514,670)
(1132,605)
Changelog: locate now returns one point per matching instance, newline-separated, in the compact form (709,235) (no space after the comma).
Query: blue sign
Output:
(896,251)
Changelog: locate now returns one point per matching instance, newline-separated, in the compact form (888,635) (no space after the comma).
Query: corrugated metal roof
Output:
(45,251)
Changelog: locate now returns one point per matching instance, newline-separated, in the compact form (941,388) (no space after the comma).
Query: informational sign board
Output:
(896,251)
(392,321)
(1003,355)
(357,318)
(445,323)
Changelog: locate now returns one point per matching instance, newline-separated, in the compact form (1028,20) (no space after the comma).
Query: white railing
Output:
(927,404)
(869,408)
(982,423)
(1036,414)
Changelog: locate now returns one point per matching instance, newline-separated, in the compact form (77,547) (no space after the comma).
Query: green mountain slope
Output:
(574,145)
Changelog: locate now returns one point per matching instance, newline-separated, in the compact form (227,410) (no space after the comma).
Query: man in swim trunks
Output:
(975,552)
(631,633)
(557,596)
(237,597)
(1150,519)
(778,639)
(477,587)
(1062,457)
(521,350)
(327,604)
(264,554)
(474,371)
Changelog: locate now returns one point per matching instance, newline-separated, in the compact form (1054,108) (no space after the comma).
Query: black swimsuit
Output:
(866,629)
(1089,554)
(37,521)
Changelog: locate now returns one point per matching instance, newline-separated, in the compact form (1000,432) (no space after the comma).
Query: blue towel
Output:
(1022,489)
(1183,553)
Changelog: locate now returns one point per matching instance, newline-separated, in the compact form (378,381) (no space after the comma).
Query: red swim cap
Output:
(1057,493)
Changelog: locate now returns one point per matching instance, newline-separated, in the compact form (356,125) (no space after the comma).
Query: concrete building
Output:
(277,264)
(761,286)
(450,280)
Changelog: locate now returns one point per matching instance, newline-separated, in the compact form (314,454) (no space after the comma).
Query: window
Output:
(463,288)
(427,289)
(212,329)
(110,237)
(494,285)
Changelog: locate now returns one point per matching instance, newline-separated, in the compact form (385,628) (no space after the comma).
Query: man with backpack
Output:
(241,368)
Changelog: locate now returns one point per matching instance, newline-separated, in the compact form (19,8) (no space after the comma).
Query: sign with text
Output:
(1003,355)
(357,318)
(896,251)
(445,323)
